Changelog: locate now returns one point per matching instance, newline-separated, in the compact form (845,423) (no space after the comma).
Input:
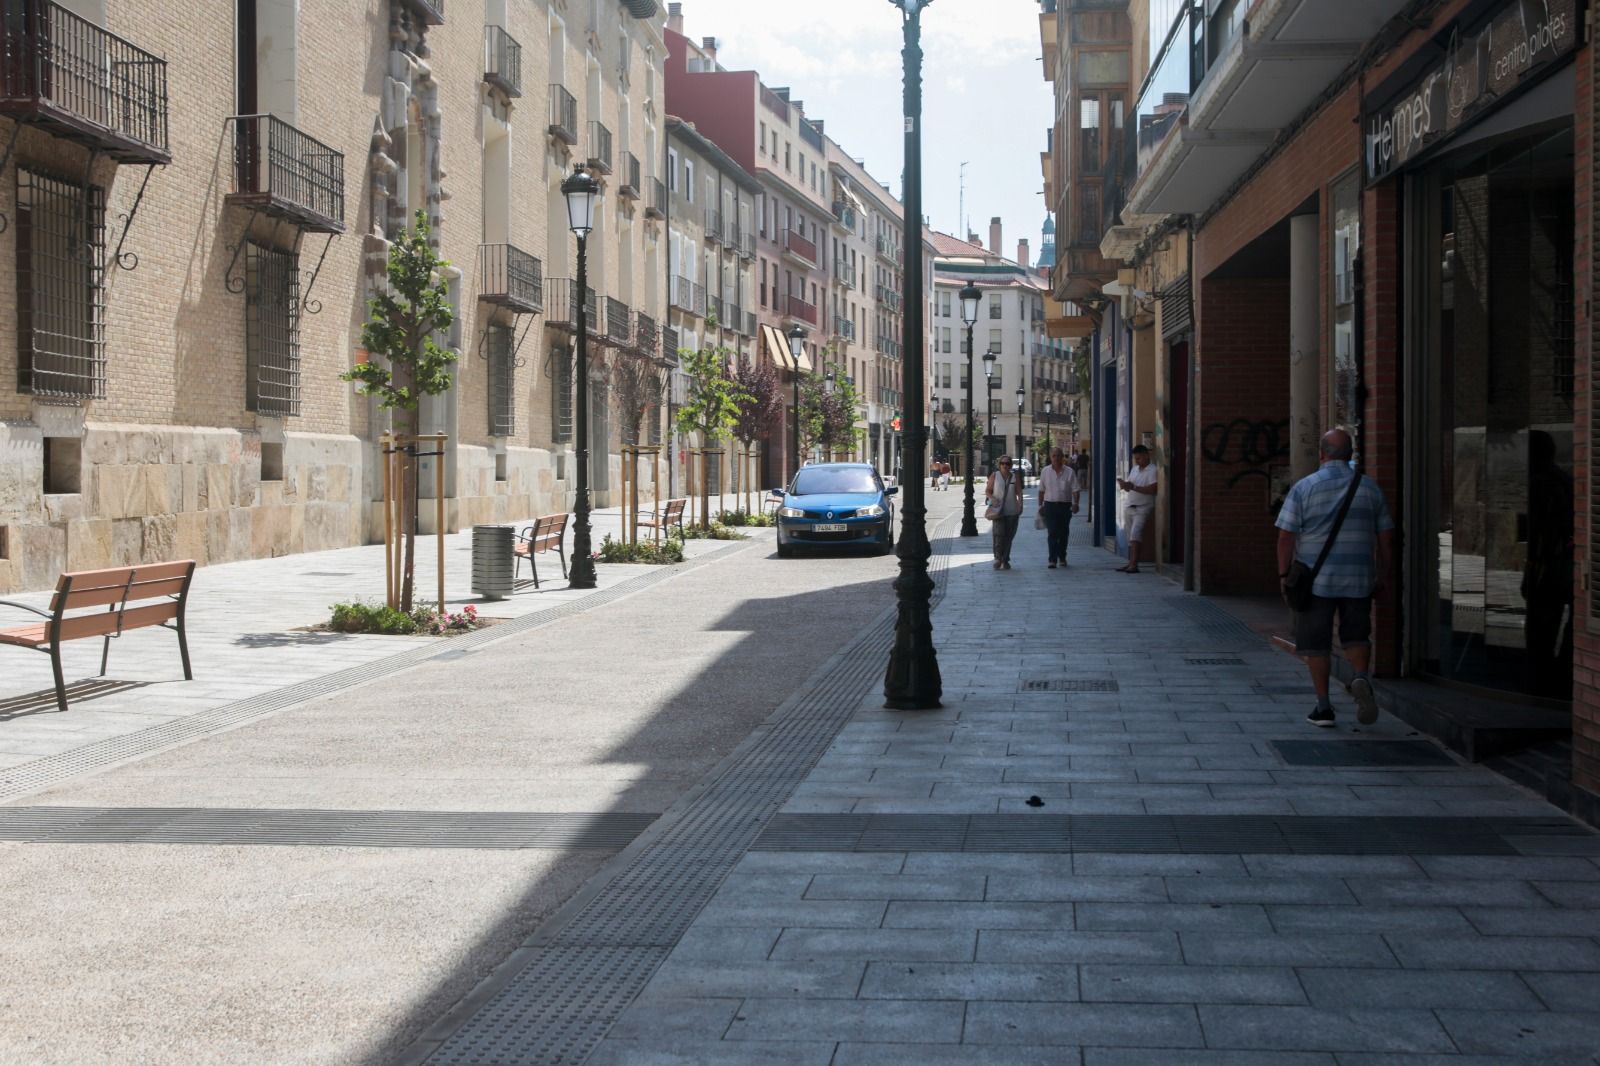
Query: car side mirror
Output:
(892,490)
(776,492)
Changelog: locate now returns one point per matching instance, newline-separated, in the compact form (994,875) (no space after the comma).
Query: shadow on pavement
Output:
(44,701)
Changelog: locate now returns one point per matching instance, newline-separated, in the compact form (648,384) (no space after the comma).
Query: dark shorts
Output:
(1313,628)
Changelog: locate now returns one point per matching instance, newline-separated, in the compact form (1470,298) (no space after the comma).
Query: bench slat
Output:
(100,597)
(25,636)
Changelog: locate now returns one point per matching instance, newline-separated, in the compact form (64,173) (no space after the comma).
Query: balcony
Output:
(599,148)
(799,248)
(287,174)
(844,272)
(886,249)
(562,312)
(844,216)
(669,344)
(510,277)
(713,226)
(887,345)
(732,236)
(646,335)
(502,61)
(563,116)
(889,298)
(82,83)
(844,327)
(428,12)
(685,295)
(747,246)
(1218,94)
(733,317)
(630,186)
(657,207)
(796,308)
(619,322)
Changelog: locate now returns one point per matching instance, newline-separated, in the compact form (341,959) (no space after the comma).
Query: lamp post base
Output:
(912,681)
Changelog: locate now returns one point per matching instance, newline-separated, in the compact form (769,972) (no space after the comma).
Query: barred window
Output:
(272,330)
(61,252)
(561,397)
(653,416)
(498,346)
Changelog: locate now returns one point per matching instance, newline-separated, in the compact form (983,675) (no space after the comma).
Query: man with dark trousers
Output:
(1058,502)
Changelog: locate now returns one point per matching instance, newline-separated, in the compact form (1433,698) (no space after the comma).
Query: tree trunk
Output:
(408,510)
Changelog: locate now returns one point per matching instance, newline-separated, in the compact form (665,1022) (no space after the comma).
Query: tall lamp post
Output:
(797,345)
(971,297)
(581,189)
(912,682)
(988,406)
(1048,440)
(1022,395)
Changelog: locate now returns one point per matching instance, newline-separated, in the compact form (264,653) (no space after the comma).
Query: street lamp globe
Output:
(1048,409)
(797,343)
(581,189)
(1022,395)
(988,363)
(971,297)
(827,379)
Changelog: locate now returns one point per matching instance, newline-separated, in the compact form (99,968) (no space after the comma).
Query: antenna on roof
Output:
(961,214)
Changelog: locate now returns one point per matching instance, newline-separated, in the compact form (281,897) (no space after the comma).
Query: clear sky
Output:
(985,101)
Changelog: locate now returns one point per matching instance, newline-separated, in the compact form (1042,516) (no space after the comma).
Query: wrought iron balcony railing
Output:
(563,115)
(669,344)
(502,61)
(795,307)
(510,277)
(733,317)
(844,272)
(844,327)
(619,321)
(631,181)
(562,310)
(81,82)
(886,249)
(599,147)
(844,214)
(747,246)
(646,335)
(286,173)
(687,296)
(797,245)
(431,12)
(713,226)
(657,208)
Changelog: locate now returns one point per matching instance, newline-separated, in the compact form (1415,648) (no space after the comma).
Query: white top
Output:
(1141,476)
(1058,488)
(1006,489)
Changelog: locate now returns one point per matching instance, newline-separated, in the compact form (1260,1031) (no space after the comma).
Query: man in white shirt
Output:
(1058,502)
(1140,485)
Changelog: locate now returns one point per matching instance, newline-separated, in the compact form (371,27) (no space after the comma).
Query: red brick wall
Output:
(1382,363)
(1586,641)
(1243,393)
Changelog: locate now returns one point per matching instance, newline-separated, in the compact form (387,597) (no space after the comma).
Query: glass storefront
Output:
(1493,266)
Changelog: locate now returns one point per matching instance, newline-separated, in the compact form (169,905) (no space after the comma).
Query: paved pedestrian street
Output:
(1117,842)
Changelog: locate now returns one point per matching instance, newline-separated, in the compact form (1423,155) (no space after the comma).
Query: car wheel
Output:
(785,552)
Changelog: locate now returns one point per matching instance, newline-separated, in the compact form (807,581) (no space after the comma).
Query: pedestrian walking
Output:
(1058,502)
(1003,507)
(944,477)
(1140,485)
(1335,544)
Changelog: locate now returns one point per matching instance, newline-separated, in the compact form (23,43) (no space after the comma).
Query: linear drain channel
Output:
(315,828)
(1215,661)
(581,973)
(1070,684)
(1156,834)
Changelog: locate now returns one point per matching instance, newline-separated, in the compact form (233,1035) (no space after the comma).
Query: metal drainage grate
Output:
(317,828)
(1073,684)
(24,778)
(1222,661)
(1215,622)
(1156,834)
(1361,753)
(555,998)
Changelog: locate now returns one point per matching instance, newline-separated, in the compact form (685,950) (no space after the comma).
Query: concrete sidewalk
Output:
(246,625)
(1119,842)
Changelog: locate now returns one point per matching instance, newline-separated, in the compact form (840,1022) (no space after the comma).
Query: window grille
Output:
(561,396)
(272,330)
(61,252)
(653,417)
(498,345)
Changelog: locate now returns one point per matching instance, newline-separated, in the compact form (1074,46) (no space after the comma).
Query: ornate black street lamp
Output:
(1049,441)
(971,297)
(1022,395)
(912,680)
(797,344)
(988,405)
(581,189)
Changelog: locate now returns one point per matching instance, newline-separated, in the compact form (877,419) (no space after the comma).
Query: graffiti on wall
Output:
(1251,449)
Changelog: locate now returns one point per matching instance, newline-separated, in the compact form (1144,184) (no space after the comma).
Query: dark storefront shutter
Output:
(1177,309)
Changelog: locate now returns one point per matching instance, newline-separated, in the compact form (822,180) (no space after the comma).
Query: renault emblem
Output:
(830,514)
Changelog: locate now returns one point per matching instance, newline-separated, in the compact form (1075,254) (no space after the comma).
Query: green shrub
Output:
(644,551)
(357,617)
(715,531)
(736,519)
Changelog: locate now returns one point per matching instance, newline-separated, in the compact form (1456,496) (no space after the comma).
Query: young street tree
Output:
(827,419)
(712,406)
(636,389)
(405,362)
(760,405)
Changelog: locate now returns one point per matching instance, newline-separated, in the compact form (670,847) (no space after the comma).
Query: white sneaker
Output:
(1360,690)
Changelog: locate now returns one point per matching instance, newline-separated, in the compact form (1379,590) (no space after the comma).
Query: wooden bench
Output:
(546,533)
(135,597)
(668,515)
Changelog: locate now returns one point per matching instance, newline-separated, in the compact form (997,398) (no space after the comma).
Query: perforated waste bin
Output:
(493,562)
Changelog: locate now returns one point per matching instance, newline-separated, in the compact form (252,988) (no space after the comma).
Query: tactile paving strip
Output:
(320,828)
(1218,625)
(578,979)
(1156,834)
(24,778)
(1070,684)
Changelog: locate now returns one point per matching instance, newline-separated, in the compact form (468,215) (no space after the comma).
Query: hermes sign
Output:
(1515,45)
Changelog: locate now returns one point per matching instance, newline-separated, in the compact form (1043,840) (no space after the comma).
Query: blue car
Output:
(835,505)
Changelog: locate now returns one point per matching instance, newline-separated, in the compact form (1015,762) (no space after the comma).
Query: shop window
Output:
(561,395)
(61,252)
(498,345)
(272,331)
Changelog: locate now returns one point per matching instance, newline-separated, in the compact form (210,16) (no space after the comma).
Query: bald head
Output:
(1336,444)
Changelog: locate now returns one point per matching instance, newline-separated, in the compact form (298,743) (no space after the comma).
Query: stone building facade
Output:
(187,265)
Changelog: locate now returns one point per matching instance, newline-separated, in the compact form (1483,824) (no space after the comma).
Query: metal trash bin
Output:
(493,561)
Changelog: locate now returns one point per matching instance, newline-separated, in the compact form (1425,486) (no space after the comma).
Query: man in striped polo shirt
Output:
(1354,570)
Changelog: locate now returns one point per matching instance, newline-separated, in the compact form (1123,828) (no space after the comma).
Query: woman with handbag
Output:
(1003,507)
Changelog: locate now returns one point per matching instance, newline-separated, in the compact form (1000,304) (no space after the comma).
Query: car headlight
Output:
(870,512)
(790,512)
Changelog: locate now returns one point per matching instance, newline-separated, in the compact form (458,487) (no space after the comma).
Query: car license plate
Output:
(830,527)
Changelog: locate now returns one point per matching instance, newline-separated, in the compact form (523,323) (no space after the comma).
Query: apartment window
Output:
(964,342)
(763,283)
(561,395)
(272,330)
(763,138)
(672,169)
(996,345)
(997,306)
(498,351)
(944,306)
(944,339)
(1089,134)
(688,179)
(60,287)
(788,157)
(944,374)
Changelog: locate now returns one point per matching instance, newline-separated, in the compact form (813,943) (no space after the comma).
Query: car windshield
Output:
(834,479)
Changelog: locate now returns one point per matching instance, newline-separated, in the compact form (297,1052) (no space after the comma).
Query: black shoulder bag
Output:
(1297,586)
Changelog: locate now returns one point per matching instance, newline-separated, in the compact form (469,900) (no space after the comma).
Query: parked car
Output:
(835,505)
